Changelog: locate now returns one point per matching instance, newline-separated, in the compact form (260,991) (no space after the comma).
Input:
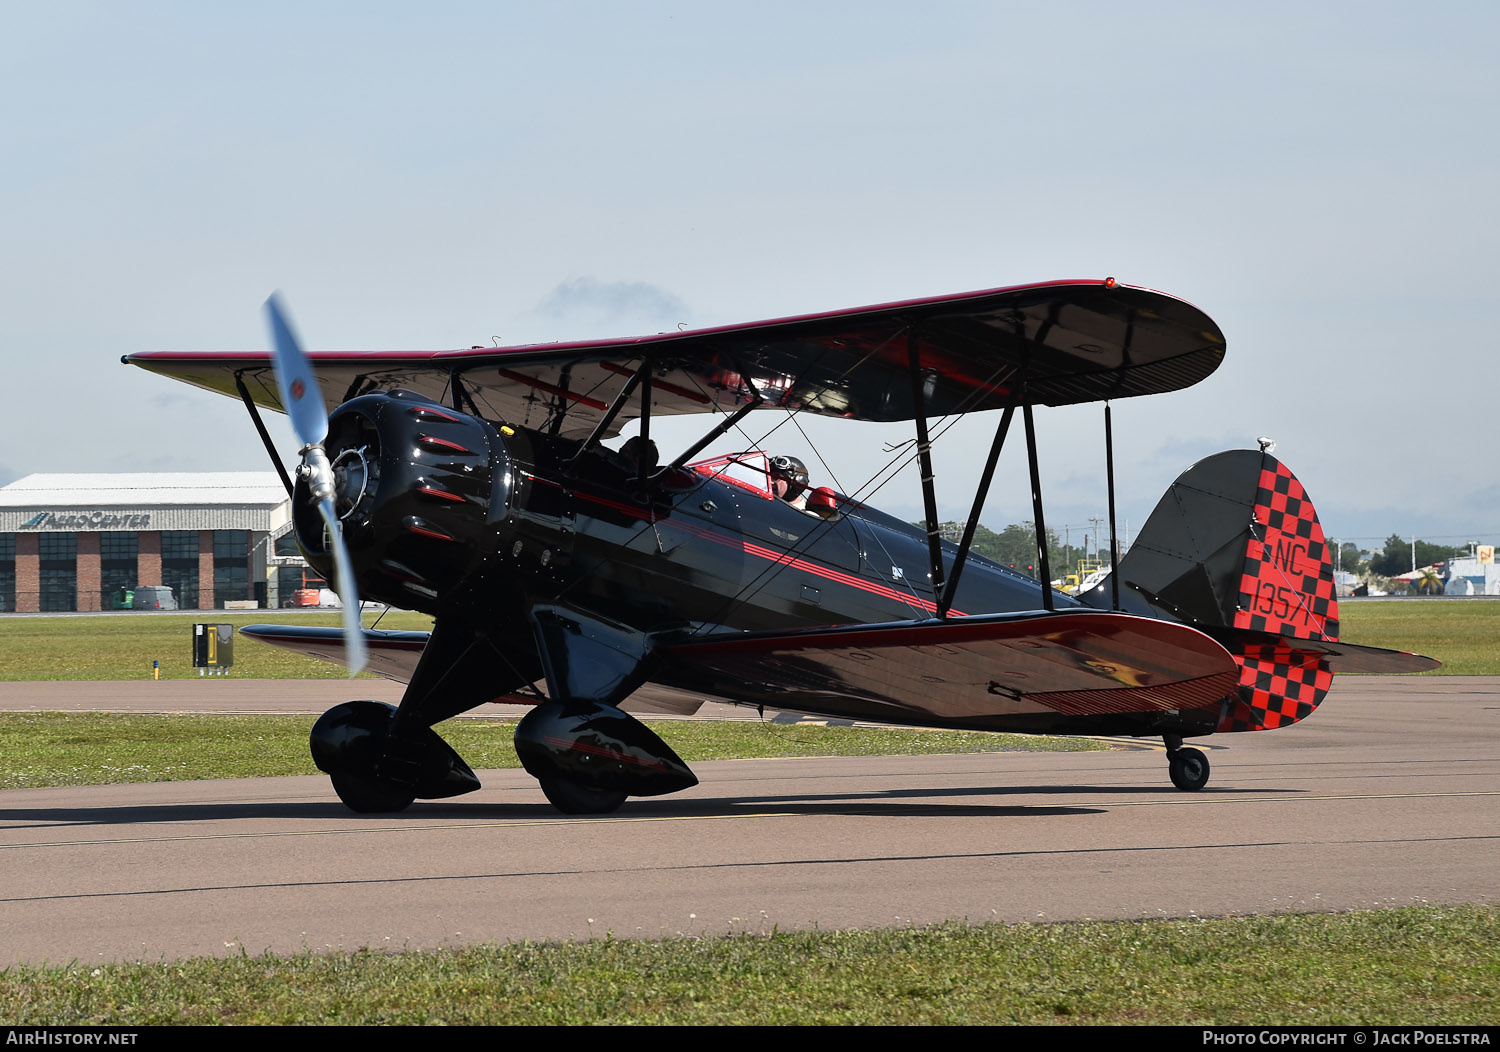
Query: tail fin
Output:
(1234,548)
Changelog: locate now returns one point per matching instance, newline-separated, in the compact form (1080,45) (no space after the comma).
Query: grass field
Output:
(1419,966)
(123,646)
(1460,633)
(1463,634)
(57,748)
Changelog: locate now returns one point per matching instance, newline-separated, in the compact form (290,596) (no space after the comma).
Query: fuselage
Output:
(457,516)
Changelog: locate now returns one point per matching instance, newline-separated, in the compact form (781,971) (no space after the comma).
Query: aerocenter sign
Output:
(87,521)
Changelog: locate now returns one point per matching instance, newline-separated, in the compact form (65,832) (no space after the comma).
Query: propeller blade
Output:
(301,396)
(356,653)
(302,399)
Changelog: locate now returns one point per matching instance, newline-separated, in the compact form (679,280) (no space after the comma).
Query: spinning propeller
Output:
(303,401)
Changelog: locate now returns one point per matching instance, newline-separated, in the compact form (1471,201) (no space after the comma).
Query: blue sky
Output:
(1320,178)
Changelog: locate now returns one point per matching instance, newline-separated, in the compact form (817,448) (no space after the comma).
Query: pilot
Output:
(640,453)
(789,481)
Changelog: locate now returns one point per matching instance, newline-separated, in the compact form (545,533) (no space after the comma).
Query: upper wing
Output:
(1078,663)
(1050,344)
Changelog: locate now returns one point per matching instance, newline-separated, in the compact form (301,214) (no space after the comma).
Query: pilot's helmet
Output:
(793,472)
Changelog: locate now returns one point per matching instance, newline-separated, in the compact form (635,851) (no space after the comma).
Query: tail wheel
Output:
(371,796)
(1188,768)
(571,798)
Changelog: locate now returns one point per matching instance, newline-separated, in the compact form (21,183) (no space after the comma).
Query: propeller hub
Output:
(318,473)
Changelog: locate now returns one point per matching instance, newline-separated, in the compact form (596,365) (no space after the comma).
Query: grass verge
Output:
(1415,966)
(1456,632)
(123,646)
(52,748)
(1460,633)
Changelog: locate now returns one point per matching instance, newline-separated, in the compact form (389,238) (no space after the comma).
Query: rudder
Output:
(1235,549)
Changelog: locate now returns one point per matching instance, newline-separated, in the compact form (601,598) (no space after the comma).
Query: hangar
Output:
(75,541)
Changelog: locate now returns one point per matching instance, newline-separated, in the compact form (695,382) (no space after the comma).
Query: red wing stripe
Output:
(541,385)
(657,384)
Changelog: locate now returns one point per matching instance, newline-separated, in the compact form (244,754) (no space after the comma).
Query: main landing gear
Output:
(589,756)
(574,798)
(377,769)
(1188,768)
(371,796)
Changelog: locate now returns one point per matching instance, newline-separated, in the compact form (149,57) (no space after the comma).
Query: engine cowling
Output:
(418,489)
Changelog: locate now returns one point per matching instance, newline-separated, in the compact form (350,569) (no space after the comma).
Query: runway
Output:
(1386,796)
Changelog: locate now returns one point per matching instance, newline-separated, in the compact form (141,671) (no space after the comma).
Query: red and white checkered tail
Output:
(1234,549)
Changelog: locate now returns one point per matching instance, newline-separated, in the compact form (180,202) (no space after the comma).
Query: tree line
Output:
(1396,557)
(1015,547)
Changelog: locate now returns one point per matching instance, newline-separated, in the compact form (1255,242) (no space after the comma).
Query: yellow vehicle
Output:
(1090,572)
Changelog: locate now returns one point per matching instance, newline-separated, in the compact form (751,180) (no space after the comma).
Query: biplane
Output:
(481,486)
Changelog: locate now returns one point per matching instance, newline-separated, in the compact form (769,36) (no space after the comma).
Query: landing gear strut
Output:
(1188,768)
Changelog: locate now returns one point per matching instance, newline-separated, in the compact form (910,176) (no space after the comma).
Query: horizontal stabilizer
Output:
(1074,663)
(1338,656)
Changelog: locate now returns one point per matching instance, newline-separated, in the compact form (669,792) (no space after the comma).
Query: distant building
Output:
(1476,574)
(74,542)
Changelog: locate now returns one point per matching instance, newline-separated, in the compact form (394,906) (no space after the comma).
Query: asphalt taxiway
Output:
(1386,796)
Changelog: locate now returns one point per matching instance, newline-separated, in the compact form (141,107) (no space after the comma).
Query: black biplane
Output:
(478,486)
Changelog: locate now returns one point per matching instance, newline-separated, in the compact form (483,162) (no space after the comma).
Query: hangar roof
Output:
(141,489)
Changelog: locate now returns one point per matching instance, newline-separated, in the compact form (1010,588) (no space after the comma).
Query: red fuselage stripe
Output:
(635,513)
(828,573)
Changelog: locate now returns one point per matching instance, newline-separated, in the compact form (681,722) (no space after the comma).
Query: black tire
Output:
(1188,768)
(370,796)
(573,799)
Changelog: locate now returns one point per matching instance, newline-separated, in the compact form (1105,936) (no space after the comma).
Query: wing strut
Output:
(602,427)
(946,602)
(260,427)
(644,465)
(924,457)
(1109,471)
(565,375)
(461,394)
(1044,564)
(756,398)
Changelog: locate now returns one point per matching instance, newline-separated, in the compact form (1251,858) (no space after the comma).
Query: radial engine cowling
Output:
(417,487)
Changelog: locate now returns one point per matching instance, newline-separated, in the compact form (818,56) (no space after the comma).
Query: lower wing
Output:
(1075,663)
(394,655)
